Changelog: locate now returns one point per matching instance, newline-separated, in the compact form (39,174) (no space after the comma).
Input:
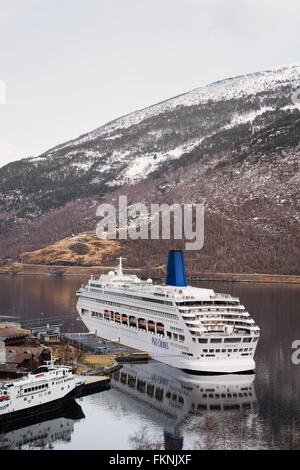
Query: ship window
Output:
(159,394)
(181,338)
(39,370)
(202,340)
(247,340)
(96,314)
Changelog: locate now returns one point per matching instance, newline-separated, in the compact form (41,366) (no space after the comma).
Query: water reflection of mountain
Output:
(170,396)
(42,432)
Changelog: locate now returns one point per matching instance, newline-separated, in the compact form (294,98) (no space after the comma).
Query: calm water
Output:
(155,405)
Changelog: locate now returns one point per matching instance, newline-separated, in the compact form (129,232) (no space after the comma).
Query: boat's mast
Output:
(120,268)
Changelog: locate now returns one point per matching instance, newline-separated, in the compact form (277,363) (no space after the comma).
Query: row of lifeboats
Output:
(140,322)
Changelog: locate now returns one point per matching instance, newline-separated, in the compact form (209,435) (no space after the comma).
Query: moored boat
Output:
(43,389)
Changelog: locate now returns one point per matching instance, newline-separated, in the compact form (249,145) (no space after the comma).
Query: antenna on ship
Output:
(120,268)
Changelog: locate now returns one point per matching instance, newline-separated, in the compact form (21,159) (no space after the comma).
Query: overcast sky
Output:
(69,66)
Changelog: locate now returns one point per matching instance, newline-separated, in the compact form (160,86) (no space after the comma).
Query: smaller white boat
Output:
(43,389)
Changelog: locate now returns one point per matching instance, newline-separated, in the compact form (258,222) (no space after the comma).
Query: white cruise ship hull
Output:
(143,340)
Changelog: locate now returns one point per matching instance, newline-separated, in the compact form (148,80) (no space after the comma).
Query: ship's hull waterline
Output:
(42,409)
(142,340)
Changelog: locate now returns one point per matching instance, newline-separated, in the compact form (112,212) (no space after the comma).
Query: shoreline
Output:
(66,271)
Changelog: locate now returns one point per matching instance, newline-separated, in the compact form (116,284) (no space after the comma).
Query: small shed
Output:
(47,333)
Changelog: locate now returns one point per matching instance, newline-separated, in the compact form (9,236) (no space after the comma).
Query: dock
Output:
(95,384)
(87,353)
(95,344)
(98,356)
(100,347)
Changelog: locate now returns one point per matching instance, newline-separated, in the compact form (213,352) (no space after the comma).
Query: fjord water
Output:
(153,405)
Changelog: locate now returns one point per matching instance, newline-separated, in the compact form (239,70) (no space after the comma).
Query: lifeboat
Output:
(142,323)
(106,314)
(4,397)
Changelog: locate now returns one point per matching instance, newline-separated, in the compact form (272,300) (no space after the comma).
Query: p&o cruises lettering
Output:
(160,343)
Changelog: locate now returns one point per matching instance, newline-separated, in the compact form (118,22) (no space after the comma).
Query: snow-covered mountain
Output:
(232,142)
(185,122)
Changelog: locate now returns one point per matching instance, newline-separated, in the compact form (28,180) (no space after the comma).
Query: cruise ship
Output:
(190,328)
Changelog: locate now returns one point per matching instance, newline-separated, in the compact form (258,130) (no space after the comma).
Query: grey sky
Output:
(72,65)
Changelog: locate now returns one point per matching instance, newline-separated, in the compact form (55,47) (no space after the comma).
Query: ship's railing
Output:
(211,308)
(222,334)
(225,296)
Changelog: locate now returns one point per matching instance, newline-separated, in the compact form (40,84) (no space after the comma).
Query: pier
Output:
(86,352)
(102,356)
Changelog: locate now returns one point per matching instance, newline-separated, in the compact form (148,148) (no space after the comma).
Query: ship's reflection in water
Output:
(42,432)
(177,401)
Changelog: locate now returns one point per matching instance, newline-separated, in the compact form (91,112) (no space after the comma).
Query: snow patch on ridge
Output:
(232,88)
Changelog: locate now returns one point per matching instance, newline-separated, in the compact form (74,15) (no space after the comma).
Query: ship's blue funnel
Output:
(175,275)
